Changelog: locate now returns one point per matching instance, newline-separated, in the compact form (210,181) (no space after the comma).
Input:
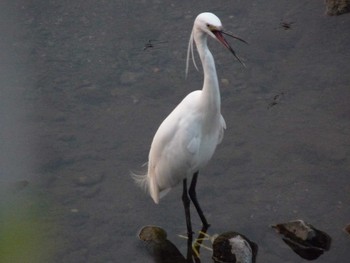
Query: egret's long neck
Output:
(210,91)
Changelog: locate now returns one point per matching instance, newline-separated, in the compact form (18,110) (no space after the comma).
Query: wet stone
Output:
(232,247)
(337,7)
(304,239)
(160,248)
(152,233)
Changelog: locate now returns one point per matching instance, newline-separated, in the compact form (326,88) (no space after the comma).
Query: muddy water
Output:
(83,90)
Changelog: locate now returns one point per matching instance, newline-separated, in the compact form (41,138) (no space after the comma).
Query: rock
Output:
(161,249)
(304,239)
(234,247)
(152,233)
(337,7)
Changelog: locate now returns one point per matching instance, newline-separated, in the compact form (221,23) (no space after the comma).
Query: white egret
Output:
(187,138)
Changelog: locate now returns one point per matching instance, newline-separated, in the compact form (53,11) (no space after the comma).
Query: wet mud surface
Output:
(85,85)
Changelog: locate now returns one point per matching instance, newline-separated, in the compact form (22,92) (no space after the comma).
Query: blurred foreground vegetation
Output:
(25,227)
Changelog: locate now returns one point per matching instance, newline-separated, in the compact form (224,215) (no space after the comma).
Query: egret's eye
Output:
(210,27)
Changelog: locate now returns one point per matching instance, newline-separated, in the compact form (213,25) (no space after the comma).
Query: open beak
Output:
(220,37)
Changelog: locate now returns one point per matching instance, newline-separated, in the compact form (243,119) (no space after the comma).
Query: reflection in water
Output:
(305,240)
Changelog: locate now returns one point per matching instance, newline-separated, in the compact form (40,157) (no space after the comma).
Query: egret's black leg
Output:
(186,201)
(193,196)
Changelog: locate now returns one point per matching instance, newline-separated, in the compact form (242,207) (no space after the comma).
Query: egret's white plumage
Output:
(187,138)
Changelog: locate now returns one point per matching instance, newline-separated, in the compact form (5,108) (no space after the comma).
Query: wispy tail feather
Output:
(140,180)
(149,185)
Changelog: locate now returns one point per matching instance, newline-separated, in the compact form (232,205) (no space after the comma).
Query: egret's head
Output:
(208,23)
(211,25)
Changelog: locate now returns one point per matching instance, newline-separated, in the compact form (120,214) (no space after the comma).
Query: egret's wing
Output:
(174,144)
(194,143)
(181,128)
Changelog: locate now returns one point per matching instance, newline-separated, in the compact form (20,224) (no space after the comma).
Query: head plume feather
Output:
(190,52)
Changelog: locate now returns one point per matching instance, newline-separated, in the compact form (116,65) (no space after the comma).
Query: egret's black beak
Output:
(220,37)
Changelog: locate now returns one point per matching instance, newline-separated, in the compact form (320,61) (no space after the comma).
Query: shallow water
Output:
(81,99)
